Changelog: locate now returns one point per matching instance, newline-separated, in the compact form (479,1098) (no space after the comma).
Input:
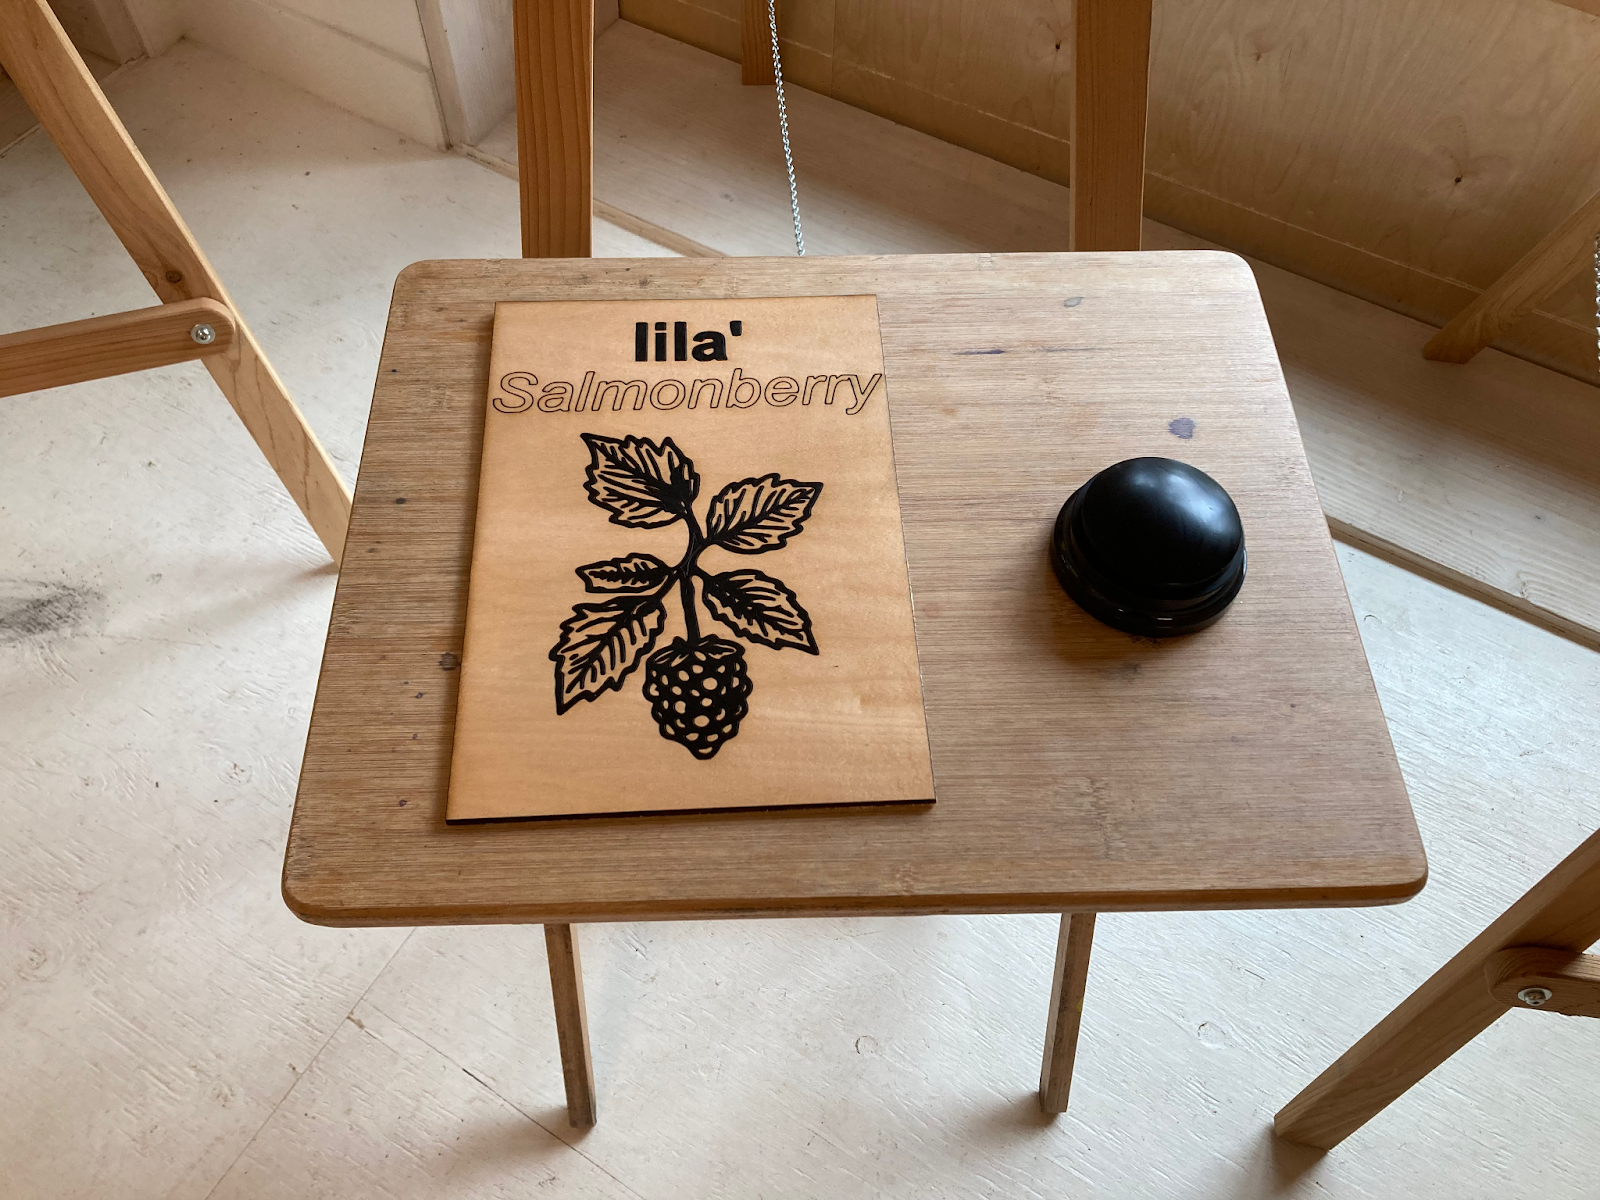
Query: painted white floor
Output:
(168,1029)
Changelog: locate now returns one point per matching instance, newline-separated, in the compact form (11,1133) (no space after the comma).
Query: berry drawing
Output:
(698,686)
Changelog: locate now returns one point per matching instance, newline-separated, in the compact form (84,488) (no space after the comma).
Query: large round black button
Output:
(1150,546)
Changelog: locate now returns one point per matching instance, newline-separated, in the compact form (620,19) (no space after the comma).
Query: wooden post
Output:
(1066,1010)
(1110,84)
(572,1024)
(755,37)
(1560,912)
(553,41)
(74,112)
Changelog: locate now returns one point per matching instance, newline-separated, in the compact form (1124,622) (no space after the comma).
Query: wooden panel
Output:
(112,345)
(805,32)
(817,701)
(1561,911)
(1572,979)
(555,125)
(995,78)
(1076,768)
(1407,151)
(1112,57)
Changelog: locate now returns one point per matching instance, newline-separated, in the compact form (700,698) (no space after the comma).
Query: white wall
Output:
(159,22)
(367,56)
(470,44)
(437,71)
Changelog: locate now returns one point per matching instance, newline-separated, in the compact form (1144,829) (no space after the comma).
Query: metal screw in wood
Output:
(1535,997)
(203,334)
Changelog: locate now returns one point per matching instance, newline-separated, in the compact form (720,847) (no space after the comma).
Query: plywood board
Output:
(1405,151)
(687,516)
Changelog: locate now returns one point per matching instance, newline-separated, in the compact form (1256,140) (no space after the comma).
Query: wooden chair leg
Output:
(553,43)
(572,1024)
(1561,912)
(69,104)
(1110,86)
(1066,1010)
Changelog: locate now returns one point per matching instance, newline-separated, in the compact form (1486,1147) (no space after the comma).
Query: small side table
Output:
(1078,770)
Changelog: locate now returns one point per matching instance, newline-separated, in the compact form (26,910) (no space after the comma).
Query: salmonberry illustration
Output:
(698,686)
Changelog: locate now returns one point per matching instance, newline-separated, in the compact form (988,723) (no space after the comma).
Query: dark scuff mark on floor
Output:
(34,608)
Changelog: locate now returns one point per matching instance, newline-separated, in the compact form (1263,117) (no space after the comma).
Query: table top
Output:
(1076,768)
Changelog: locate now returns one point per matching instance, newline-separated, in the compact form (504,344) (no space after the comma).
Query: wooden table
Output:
(1077,769)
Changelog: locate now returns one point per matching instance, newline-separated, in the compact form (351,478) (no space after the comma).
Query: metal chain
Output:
(783,127)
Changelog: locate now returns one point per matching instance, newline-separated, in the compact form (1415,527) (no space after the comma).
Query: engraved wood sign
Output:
(688,583)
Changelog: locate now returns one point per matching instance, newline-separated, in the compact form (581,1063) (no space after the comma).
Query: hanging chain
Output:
(783,128)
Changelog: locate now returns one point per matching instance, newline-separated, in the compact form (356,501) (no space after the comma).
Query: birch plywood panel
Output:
(1408,151)
(1444,139)
(1077,768)
(733,519)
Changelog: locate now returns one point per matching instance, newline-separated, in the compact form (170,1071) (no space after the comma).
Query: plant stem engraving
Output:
(699,685)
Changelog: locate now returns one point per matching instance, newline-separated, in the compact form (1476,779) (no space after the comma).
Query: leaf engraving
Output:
(757,515)
(601,644)
(632,573)
(759,609)
(642,485)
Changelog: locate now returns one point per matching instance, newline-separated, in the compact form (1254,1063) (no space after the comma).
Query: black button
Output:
(1150,546)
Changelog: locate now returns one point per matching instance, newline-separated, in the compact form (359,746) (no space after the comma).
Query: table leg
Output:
(572,1024)
(1066,1010)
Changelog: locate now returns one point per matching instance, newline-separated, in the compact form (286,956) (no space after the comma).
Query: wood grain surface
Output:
(1562,253)
(1076,767)
(1069,982)
(810,610)
(555,124)
(1406,151)
(755,44)
(572,1024)
(1571,978)
(111,345)
(1109,80)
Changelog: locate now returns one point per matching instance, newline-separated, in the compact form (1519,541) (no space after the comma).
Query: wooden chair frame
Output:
(196,319)
(1531,957)
(554,51)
